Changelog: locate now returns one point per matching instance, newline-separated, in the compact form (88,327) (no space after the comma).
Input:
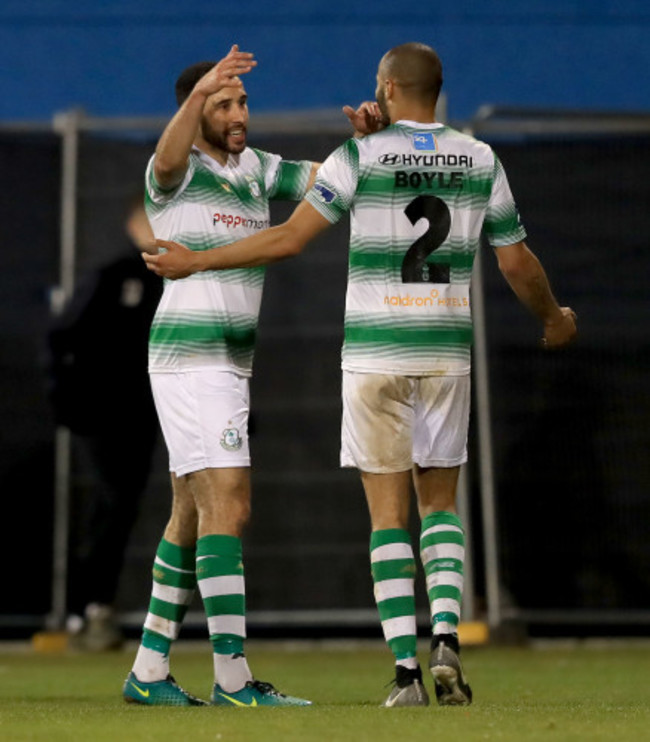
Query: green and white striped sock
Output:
(174,582)
(220,576)
(442,549)
(393,572)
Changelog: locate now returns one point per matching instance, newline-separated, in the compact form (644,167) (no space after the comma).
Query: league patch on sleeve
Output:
(324,194)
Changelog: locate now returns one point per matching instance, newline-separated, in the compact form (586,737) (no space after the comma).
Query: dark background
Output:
(571,429)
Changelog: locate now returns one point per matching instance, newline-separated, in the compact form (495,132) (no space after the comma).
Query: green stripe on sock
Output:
(402,647)
(389,536)
(220,544)
(441,517)
(442,537)
(447,617)
(156,642)
(403,606)
(170,611)
(442,545)
(180,557)
(227,644)
(170,577)
(393,569)
(445,591)
(395,607)
(218,566)
(219,555)
(225,605)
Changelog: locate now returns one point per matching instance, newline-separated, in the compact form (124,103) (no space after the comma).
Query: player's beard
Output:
(383,108)
(220,140)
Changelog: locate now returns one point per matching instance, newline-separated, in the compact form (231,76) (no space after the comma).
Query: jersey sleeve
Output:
(159,195)
(284,180)
(336,182)
(502,225)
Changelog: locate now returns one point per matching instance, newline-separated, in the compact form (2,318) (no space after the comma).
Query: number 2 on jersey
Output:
(415,268)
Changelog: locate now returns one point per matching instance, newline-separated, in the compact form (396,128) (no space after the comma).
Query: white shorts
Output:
(204,419)
(392,422)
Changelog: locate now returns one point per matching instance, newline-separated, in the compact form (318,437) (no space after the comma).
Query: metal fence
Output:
(324,543)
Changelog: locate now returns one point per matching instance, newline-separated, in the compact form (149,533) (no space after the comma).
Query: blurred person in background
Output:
(100,390)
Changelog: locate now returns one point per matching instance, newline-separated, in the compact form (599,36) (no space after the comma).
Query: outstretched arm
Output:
(176,141)
(525,274)
(268,246)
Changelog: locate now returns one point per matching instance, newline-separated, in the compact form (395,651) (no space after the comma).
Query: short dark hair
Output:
(188,79)
(416,67)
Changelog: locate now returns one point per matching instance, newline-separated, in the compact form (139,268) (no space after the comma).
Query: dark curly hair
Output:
(188,79)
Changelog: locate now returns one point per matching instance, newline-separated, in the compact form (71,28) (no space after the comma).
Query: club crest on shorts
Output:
(231,440)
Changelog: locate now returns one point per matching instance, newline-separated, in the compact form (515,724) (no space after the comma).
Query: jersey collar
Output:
(232,162)
(420,125)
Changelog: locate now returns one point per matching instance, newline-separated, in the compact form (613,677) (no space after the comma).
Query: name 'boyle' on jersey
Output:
(419,197)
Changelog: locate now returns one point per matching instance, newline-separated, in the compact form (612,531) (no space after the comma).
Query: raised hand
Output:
(366,119)
(226,72)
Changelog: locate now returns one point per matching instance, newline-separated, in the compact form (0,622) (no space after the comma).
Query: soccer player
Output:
(419,194)
(205,187)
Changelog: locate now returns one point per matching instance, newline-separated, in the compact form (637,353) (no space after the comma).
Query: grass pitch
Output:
(555,693)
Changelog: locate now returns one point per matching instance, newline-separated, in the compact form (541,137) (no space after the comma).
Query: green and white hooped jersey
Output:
(419,196)
(209,320)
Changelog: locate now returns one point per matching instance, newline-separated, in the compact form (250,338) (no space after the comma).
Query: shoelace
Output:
(170,679)
(394,682)
(265,688)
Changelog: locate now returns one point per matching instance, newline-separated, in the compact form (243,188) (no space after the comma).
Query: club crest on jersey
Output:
(231,440)
(324,194)
(254,187)
(425,141)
